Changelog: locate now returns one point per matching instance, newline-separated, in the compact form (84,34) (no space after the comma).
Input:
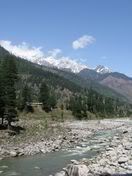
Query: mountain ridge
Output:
(62,77)
(53,60)
(119,82)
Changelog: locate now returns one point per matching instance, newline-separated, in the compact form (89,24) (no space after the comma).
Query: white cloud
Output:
(23,50)
(35,54)
(83,41)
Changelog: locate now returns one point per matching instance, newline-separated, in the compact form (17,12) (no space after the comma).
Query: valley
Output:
(91,143)
(49,114)
(65,88)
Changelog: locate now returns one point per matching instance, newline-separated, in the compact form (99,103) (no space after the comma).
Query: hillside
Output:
(65,90)
(118,82)
(35,73)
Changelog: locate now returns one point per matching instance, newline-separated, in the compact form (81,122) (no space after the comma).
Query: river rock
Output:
(4,167)
(62,173)
(79,170)
(36,167)
(125,131)
(83,170)
(122,160)
(75,162)
(13,153)
(109,149)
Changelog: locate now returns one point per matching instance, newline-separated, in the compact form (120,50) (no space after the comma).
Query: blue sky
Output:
(57,23)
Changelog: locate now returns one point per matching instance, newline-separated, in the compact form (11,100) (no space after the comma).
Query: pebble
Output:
(36,167)
(4,167)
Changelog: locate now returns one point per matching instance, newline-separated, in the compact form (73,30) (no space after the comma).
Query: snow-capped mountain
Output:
(102,69)
(35,55)
(66,63)
(52,59)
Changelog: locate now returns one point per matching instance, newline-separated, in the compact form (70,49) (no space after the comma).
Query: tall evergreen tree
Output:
(47,97)
(9,74)
(44,96)
(1,98)
(25,99)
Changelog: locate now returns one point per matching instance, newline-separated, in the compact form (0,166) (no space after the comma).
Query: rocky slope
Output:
(117,81)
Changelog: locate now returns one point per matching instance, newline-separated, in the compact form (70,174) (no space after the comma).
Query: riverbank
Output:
(41,136)
(115,159)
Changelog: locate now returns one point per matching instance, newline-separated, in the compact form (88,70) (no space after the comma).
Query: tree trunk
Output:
(9,125)
(2,122)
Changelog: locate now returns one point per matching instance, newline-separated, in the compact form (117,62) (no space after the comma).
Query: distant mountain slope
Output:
(119,82)
(89,83)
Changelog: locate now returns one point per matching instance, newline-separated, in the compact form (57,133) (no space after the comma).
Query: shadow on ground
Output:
(13,129)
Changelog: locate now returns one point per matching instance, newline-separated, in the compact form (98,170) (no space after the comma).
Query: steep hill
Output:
(119,82)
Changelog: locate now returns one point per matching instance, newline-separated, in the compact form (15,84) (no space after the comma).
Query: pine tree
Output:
(47,98)
(44,96)
(1,98)
(25,99)
(9,74)
(76,107)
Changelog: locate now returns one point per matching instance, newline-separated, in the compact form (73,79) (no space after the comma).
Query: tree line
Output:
(17,94)
(8,78)
(101,106)
(13,100)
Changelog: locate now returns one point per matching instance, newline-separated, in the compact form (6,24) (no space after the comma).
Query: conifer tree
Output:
(44,96)
(47,98)
(25,99)
(1,98)
(9,74)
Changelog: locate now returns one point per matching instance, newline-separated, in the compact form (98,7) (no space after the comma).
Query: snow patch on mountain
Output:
(53,58)
(66,63)
(36,55)
(102,69)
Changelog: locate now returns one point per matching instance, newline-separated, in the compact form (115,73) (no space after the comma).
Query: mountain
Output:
(76,93)
(116,81)
(102,69)
(52,59)
(65,64)
(35,73)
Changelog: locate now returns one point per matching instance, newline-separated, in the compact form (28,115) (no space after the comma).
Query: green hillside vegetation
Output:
(23,83)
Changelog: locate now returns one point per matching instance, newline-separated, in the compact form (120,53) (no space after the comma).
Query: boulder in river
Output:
(13,153)
(76,170)
(62,173)
(122,160)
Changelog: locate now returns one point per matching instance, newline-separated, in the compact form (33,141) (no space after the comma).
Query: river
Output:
(50,163)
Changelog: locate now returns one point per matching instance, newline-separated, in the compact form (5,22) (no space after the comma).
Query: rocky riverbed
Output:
(57,136)
(115,159)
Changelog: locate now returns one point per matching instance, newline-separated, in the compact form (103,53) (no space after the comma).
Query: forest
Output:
(21,87)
